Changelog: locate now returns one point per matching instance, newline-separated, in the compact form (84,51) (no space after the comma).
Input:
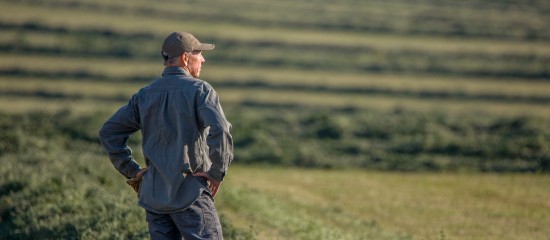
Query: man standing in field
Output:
(186,143)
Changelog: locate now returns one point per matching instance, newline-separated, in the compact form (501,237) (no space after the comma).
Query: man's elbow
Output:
(103,133)
(219,129)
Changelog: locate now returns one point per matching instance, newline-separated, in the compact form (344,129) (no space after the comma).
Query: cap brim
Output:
(206,47)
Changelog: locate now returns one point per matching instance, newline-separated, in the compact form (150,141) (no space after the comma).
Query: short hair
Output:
(174,60)
(171,61)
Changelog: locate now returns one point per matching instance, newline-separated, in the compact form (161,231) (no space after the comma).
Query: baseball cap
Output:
(177,43)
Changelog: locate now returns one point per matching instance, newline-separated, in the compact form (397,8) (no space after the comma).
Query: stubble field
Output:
(424,119)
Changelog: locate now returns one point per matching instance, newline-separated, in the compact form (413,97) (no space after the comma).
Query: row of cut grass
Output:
(126,23)
(108,90)
(22,104)
(382,42)
(378,61)
(116,69)
(231,97)
(127,68)
(475,18)
(313,57)
(328,100)
(70,87)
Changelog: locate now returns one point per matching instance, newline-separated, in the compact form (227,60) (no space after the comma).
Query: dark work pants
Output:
(198,221)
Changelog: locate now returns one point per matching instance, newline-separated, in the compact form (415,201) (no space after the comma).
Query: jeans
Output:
(198,221)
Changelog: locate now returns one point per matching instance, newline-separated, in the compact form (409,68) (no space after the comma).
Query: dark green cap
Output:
(177,43)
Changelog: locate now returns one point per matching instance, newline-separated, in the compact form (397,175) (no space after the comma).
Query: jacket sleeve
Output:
(219,139)
(114,136)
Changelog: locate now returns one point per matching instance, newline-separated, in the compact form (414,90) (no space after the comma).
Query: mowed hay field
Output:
(422,55)
(423,119)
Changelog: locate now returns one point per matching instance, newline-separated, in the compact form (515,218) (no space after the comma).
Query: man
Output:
(186,144)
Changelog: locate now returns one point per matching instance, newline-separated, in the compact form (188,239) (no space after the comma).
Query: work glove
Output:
(135,182)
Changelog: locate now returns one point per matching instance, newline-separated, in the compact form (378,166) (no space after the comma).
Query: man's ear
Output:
(184,59)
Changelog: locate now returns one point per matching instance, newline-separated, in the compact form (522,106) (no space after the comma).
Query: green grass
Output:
(433,92)
(475,18)
(56,182)
(41,99)
(374,205)
(60,186)
(123,69)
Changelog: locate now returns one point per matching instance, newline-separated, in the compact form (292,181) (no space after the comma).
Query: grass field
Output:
(57,183)
(46,194)
(401,119)
(282,203)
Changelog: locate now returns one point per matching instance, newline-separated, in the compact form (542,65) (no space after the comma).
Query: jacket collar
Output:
(175,71)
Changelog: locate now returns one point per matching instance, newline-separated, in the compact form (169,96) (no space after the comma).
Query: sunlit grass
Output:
(70,87)
(63,177)
(127,22)
(423,206)
(214,72)
(399,82)
(105,92)
(89,19)
(19,105)
(110,67)
(328,100)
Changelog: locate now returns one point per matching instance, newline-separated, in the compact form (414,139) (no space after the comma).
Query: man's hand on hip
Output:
(213,185)
(136,182)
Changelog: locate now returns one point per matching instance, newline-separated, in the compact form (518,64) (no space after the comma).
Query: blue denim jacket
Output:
(184,130)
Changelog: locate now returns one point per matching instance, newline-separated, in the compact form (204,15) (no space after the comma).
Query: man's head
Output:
(184,50)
